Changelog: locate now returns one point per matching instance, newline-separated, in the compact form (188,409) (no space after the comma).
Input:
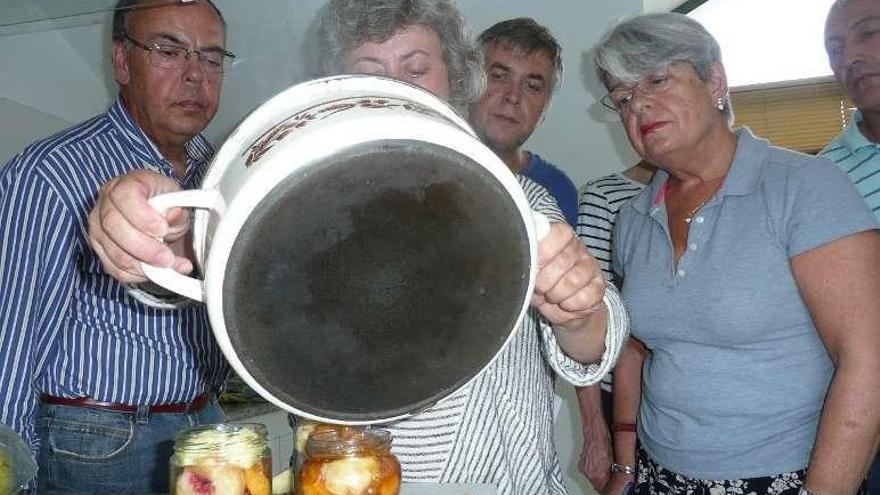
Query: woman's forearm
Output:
(849,429)
(626,400)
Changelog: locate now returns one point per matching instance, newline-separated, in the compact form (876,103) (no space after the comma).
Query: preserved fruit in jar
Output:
(349,461)
(222,459)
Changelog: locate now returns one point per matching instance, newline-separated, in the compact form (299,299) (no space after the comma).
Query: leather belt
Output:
(181,407)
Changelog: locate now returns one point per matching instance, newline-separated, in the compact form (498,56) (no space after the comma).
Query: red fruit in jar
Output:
(191,482)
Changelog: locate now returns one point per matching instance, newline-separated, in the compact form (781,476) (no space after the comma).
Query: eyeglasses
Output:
(618,100)
(175,56)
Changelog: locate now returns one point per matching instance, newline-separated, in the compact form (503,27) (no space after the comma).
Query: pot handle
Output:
(542,225)
(167,278)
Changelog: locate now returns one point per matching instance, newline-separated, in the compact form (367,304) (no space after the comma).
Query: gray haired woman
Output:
(424,42)
(752,275)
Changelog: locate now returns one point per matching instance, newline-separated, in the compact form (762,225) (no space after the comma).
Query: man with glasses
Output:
(94,380)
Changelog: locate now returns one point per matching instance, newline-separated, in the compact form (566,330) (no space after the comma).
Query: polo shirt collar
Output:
(742,178)
(852,137)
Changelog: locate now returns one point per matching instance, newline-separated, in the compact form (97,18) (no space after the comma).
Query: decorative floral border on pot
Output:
(303,118)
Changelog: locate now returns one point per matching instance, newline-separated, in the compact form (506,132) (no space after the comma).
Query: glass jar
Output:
(349,461)
(304,429)
(228,459)
(17,468)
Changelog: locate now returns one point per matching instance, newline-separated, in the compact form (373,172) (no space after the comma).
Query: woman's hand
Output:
(620,484)
(569,292)
(570,285)
(595,461)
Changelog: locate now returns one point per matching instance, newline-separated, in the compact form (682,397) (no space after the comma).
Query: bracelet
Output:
(622,468)
(805,491)
(615,427)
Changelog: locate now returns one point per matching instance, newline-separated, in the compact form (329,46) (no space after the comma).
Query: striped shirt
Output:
(66,327)
(856,155)
(597,210)
(600,201)
(499,428)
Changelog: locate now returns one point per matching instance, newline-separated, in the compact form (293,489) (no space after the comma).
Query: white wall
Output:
(65,73)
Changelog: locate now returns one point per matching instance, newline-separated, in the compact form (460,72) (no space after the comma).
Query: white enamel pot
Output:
(363,254)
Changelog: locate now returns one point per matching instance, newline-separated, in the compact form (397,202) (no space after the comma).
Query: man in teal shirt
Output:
(852,40)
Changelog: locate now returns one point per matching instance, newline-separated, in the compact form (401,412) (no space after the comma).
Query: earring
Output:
(720,104)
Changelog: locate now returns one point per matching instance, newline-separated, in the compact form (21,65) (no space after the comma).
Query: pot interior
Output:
(377,281)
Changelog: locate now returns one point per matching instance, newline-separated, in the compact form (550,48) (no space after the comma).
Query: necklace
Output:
(693,212)
(661,197)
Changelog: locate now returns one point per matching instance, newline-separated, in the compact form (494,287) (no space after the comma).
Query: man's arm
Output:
(37,269)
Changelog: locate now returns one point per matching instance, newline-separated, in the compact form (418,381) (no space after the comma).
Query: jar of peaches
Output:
(222,459)
(349,461)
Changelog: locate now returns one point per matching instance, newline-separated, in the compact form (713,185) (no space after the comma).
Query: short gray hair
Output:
(524,33)
(123,9)
(637,47)
(346,24)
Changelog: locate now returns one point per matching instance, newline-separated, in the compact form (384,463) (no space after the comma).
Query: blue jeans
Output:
(97,451)
(874,477)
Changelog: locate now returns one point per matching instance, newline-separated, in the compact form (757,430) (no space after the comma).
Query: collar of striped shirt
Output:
(198,150)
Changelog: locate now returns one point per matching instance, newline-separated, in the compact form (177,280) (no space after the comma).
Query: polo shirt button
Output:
(692,247)
(681,273)
(699,219)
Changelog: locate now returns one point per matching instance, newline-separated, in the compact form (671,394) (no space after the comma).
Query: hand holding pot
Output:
(123,227)
(569,290)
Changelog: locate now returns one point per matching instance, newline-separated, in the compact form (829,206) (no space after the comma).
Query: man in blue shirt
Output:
(524,66)
(94,380)
(852,40)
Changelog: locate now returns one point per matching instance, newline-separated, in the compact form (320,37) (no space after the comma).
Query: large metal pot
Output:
(364,254)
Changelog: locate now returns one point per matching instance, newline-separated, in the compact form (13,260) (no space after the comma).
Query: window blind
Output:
(801,115)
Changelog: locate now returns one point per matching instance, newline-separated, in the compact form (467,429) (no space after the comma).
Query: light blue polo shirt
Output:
(736,379)
(860,159)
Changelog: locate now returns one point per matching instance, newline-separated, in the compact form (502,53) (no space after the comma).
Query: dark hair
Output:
(524,33)
(125,7)
(346,24)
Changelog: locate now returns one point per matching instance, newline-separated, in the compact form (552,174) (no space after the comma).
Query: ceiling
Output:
(21,16)
(661,5)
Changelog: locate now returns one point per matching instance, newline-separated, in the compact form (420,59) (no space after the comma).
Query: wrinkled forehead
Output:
(196,19)
(613,82)
(404,41)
